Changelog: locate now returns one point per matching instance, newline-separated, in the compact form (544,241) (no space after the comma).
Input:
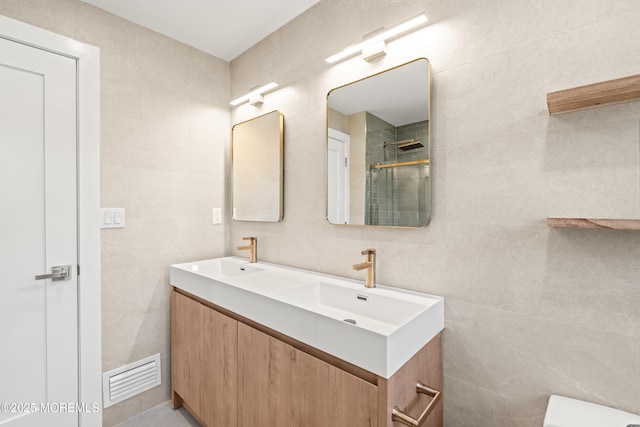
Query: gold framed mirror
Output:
(379,149)
(257,164)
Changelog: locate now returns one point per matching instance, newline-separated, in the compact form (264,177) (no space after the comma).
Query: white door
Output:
(338,177)
(38,230)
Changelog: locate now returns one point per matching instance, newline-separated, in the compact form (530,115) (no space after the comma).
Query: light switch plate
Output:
(217,215)
(112,218)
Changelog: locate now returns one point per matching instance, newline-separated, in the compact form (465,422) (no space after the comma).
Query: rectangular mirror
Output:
(378,149)
(257,162)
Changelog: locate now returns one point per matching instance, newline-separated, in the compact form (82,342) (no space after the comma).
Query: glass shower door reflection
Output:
(397,194)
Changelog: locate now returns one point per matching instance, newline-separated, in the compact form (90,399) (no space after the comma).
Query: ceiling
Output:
(223,28)
(399,96)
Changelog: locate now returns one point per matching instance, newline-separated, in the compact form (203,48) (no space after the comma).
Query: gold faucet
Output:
(370,265)
(253,247)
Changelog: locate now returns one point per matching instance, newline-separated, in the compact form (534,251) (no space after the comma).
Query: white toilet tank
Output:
(565,412)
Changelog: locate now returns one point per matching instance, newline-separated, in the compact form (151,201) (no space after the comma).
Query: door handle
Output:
(59,272)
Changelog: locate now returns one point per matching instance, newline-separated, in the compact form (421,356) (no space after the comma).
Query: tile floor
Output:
(162,416)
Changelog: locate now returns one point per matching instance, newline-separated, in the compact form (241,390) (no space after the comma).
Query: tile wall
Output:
(530,311)
(164,150)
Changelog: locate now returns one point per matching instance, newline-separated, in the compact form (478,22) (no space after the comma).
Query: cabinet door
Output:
(186,349)
(400,390)
(280,386)
(204,348)
(219,369)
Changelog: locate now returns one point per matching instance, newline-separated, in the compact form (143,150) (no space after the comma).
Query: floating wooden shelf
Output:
(626,89)
(609,224)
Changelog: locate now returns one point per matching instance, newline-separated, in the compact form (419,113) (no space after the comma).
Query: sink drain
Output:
(353,322)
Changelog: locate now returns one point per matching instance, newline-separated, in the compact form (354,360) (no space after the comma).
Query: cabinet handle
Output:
(398,415)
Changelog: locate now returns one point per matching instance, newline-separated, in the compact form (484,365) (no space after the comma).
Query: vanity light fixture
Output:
(375,46)
(374,51)
(255,97)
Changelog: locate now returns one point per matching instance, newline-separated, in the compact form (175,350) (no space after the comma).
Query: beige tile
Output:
(119,288)
(118,341)
(134,338)
(154,290)
(589,279)
(569,56)
(206,156)
(113,109)
(166,73)
(208,82)
(44,14)
(483,106)
(565,60)
(458,260)
(483,28)
(152,336)
(113,179)
(526,358)
(466,405)
(592,170)
(161,393)
(106,30)
(121,247)
(126,140)
(176,195)
(490,182)
(524,416)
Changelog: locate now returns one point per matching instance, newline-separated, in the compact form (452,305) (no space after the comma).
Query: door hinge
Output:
(345,162)
(78,269)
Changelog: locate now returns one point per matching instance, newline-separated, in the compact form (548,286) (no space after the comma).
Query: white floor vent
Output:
(127,381)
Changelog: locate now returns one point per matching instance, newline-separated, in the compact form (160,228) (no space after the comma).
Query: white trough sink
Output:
(377,329)
(224,267)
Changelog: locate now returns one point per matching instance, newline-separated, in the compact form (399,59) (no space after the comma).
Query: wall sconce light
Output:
(255,97)
(375,46)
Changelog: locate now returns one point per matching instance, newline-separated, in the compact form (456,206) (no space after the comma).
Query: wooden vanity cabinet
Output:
(186,349)
(282,386)
(229,371)
(204,359)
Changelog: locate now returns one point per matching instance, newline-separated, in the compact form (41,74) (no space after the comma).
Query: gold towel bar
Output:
(393,165)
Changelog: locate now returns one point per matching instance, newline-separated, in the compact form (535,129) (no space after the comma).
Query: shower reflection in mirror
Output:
(378,149)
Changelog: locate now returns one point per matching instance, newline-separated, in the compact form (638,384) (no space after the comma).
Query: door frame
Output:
(88,194)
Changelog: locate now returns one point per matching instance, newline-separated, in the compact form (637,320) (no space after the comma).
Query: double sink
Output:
(377,329)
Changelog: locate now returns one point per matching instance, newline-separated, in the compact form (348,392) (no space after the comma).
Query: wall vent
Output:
(127,381)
